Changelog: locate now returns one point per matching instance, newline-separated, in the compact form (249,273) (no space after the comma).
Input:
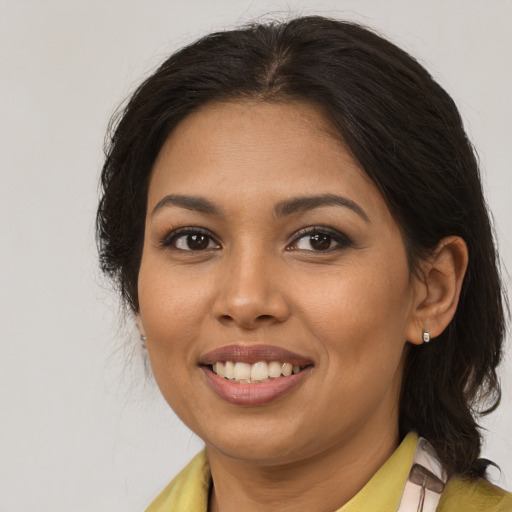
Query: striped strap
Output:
(426,481)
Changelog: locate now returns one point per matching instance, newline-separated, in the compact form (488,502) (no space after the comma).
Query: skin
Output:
(350,309)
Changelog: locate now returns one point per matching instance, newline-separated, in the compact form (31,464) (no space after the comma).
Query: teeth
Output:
(286,370)
(246,373)
(229,369)
(220,369)
(274,369)
(259,371)
(242,371)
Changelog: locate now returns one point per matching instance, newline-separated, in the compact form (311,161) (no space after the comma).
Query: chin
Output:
(263,443)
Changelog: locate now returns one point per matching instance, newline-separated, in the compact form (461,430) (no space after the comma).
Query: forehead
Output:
(255,147)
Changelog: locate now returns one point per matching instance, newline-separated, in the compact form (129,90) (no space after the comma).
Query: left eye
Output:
(320,240)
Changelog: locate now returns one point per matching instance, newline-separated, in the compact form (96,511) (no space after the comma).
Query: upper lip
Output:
(253,354)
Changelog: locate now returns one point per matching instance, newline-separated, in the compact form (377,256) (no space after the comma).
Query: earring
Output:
(426,336)
(143,340)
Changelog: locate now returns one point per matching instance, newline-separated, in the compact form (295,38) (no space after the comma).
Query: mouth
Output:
(254,375)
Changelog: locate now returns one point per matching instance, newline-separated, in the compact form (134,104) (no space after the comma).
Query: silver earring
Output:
(426,336)
(143,340)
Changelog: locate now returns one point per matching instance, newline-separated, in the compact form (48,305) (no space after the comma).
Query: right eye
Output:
(190,239)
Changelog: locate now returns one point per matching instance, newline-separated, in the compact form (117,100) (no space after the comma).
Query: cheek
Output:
(171,307)
(169,312)
(361,327)
(361,317)
(167,299)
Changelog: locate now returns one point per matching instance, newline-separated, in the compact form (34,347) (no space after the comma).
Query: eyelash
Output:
(170,238)
(340,239)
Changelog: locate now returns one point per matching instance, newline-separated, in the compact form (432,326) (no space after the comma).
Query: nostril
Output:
(264,317)
(247,322)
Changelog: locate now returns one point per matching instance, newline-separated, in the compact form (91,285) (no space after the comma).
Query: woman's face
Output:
(266,243)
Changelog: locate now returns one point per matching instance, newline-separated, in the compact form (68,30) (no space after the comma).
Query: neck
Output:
(324,482)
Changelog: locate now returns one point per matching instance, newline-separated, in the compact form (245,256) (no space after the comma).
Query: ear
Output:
(437,289)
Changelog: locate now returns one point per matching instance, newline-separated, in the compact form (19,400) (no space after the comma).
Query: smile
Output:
(251,375)
(261,371)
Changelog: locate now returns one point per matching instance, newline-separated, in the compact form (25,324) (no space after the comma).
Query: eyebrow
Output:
(282,209)
(305,203)
(195,203)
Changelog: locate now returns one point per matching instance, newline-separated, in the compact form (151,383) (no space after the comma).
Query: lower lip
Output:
(253,394)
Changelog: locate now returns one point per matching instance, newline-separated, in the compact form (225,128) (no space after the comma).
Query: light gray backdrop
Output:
(81,427)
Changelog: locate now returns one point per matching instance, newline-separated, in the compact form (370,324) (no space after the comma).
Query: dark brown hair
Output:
(407,134)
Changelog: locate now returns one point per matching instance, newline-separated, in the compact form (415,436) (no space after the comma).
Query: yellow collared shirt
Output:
(189,490)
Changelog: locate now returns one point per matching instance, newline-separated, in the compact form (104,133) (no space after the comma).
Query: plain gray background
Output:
(82,427)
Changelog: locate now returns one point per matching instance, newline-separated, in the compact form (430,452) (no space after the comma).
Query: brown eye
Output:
(320,242)
(320,239)
(190,240)
(197,242)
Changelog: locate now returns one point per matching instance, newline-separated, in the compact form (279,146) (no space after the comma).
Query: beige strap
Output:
(426,481)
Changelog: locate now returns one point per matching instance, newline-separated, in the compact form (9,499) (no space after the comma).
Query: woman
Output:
(294,214)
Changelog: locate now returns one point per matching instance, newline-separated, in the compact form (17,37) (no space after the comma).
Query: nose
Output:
(250,293)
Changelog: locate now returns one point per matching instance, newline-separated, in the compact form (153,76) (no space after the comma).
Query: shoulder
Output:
(463,495)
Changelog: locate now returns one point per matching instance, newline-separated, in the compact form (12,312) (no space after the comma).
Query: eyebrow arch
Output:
(305,203)
(195,203)
(282,209)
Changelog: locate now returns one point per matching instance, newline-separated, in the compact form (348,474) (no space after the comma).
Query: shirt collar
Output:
(383,492)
